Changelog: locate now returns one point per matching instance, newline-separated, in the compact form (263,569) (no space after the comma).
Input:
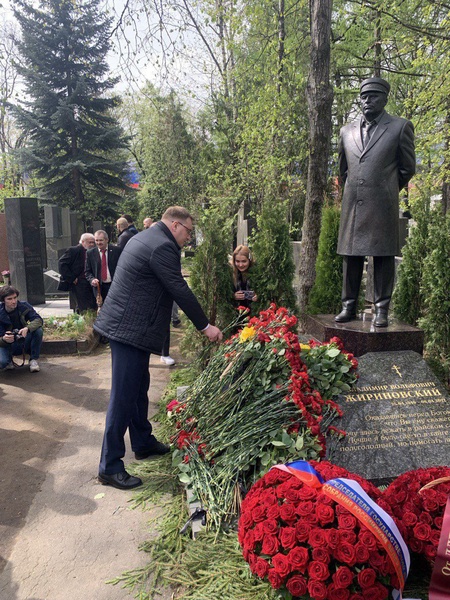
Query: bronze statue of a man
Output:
(376,160)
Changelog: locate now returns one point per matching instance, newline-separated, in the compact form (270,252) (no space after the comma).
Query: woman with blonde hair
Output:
(241,261)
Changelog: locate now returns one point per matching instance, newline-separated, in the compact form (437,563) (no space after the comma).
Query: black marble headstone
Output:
(24,248)
(396,420)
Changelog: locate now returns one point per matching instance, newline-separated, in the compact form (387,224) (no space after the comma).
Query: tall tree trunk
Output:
(281,38)
(320,97)
(377,54)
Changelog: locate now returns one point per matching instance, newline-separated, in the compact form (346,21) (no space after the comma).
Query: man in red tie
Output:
(101,263)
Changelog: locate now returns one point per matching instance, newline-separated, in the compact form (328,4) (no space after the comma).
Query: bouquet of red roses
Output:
(300,539)
(418,511)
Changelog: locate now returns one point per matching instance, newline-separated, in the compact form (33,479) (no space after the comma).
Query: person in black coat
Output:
(376,160)
(94,258)
(72,270)
(125,232)
(135,319)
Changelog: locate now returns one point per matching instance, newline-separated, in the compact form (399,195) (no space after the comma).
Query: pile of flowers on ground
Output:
(417,501)
(254,406)
(302,541)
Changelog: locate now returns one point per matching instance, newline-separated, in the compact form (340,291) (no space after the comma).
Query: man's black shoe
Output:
(176,323)
(345,316)
(158,449)
(381,318)
(121,481)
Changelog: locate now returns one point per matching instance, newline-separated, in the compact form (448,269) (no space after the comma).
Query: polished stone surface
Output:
(396,420)
(24,248)
(361,336)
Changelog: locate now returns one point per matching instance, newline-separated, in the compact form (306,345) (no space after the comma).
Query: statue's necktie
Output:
(367,130)
(104,267)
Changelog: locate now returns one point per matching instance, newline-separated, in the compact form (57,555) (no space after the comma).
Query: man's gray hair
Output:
(177,213)
(85,236)
(103,232)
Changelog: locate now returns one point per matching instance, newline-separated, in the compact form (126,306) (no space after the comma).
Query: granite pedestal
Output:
(361,336)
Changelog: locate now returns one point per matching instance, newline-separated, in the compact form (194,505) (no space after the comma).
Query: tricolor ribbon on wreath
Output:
(351,496)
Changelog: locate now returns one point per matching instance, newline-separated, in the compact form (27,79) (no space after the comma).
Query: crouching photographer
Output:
(20,330)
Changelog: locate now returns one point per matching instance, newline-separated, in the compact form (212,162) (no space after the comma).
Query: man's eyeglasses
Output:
(187,228)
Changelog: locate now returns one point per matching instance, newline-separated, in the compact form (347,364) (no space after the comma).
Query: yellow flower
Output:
(247,334)
(305,347)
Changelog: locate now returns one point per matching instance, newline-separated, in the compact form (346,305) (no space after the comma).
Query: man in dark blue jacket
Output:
(20,330)
(135,318)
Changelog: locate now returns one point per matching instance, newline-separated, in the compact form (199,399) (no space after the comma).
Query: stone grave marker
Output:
(24,248)
(396,420)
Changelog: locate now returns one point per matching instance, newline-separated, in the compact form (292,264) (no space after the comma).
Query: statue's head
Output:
(374,94)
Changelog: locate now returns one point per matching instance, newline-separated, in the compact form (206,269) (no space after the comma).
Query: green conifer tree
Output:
(435,291)
(75,143)
(273,273)
(325,296)
(408,298)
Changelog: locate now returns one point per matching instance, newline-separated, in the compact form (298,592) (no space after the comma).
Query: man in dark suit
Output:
(376,160)
(135,318)
(125,233)
(71,268)
(101,264)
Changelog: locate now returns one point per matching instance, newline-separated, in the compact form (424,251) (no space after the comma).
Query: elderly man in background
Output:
(101,263)
(72,266)
(135,318)
(125,232)
(147,222)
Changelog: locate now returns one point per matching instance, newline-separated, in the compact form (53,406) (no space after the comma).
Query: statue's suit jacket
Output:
(372,179)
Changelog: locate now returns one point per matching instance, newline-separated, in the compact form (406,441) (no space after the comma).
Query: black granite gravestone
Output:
(396,420)
(24,248)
